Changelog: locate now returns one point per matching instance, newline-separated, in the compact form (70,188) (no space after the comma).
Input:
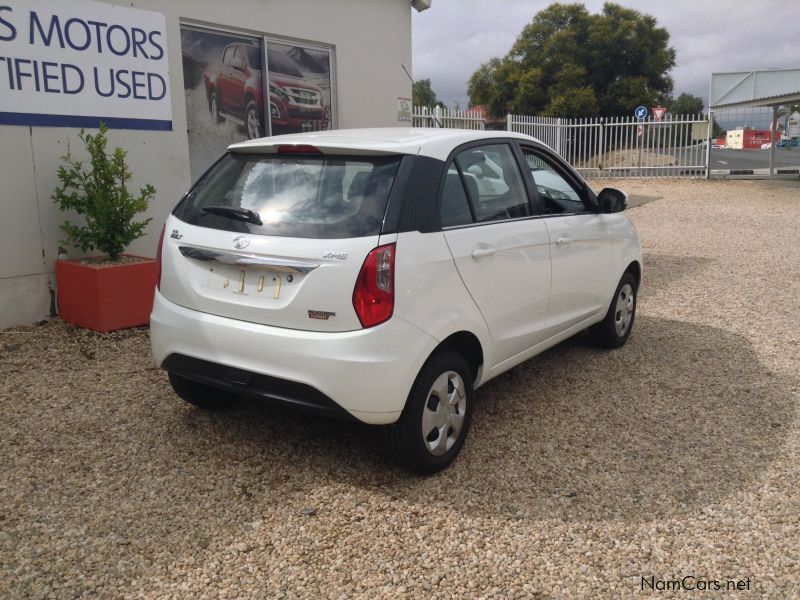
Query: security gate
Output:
(675,146)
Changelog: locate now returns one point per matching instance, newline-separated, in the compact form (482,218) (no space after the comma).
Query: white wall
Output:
(371,38)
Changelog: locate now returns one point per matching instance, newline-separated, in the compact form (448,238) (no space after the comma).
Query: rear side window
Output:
(494,183)
(455,208)
(293,196)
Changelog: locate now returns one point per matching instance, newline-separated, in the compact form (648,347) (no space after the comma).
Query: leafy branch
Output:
(98,192)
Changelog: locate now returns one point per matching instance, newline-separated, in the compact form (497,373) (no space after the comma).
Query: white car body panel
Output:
(430,293)
(435,143)
(367,376)
(580,247)
(505,265)
(213,288)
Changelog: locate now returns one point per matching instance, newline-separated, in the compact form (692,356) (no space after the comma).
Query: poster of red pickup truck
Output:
(299,88)
(225,90)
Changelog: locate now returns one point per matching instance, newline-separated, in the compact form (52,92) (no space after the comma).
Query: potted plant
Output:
(113,290)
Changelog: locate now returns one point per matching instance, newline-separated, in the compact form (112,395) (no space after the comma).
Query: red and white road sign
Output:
(640,130)
(658,112)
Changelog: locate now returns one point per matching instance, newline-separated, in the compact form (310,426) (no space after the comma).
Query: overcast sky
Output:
(453,38)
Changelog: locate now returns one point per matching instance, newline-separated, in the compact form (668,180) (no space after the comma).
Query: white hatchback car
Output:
(384,274)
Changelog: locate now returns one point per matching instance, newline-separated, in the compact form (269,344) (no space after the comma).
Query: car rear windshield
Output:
(292,195)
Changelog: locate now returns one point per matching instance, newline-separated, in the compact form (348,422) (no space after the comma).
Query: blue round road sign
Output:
(640,112)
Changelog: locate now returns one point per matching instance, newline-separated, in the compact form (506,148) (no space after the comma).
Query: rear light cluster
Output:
(373,296)
(298,149)
(158,257)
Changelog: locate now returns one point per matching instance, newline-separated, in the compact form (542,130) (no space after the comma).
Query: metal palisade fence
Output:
(422,116)
(675,146)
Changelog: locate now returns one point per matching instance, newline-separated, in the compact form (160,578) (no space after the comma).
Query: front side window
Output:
(227,56)
(294,196)
(493,182)
(238,59)
(557,194)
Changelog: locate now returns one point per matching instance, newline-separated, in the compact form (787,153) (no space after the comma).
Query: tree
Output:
(423,95)
(569,63)
(686,104)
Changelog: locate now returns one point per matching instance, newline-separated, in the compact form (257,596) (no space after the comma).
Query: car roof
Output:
(436,143)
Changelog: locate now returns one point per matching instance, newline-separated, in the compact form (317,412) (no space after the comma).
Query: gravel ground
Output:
(585,470)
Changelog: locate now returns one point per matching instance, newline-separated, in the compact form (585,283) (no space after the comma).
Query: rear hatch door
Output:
(277,239)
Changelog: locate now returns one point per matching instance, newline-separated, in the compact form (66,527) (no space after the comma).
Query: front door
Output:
(580,243)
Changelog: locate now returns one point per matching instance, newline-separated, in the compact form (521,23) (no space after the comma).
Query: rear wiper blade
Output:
(243,214)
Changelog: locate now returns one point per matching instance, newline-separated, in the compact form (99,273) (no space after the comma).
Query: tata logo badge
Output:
(241,242)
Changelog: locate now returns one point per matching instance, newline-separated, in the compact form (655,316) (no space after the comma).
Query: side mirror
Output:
(612,200)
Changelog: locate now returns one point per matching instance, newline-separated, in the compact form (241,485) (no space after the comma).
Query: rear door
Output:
(580,242)
(277,239)
(501,250)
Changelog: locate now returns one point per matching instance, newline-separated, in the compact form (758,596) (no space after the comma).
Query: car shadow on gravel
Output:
(682,417)
(662,270)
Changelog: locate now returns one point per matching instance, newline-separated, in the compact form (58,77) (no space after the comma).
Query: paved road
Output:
(721,160)
(754,159)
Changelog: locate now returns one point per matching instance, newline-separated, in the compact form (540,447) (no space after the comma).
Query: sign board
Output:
(700,130)
(404,109)
(75,63)
(658,112)
(639,130)
(640,112)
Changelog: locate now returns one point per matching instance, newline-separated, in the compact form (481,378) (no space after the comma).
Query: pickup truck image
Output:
(234,88)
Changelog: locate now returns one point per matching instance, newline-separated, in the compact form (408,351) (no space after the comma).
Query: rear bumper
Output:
(254,385)
(368,372)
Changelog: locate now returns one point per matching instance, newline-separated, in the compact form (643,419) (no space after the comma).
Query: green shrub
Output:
(98,192)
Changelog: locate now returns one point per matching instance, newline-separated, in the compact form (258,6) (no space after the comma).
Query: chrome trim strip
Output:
(528,218)
(278,265)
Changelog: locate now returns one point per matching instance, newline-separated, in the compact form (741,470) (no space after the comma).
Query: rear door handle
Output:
(483,251)
(563,240)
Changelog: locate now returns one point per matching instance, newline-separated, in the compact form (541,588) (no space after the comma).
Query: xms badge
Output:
(323,315)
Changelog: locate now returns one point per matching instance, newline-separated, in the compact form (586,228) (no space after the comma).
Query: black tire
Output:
(607,333)
(200,395)
(214,108)
(406,441)
(250,116)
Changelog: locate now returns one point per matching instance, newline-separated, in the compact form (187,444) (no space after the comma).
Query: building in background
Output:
(792,126)
(747,138)
(176,82)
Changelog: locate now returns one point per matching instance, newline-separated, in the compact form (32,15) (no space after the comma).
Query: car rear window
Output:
(294,196)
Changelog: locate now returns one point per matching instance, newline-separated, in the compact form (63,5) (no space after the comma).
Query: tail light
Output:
(298,149)
(158,257)
(373,296)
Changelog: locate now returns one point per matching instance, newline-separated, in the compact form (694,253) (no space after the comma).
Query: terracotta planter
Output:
(106,297)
